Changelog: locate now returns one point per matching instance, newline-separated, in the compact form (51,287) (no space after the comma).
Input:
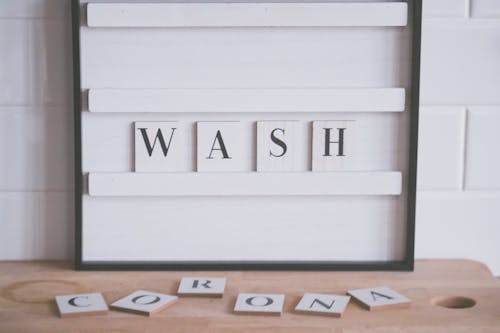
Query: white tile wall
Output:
(55,226)
(35,9)
(458,209)
(37,149)
(460,62)
(13,65)
(36,136)
(441,153)
(459,224)
(36,66)
(18,224)
(485,8)
(483,148)
(445,8)
(458,212)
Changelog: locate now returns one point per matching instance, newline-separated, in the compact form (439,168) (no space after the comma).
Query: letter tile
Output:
(333,145)
(202,286)
(144,302)
(264,304)
(277,146)
(323,304)
(81,305)
(219,146)
(379,298)
(159,146)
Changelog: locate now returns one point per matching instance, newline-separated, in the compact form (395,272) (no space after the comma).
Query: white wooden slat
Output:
(247,100)
(240,184)
(246,14)
(243,228)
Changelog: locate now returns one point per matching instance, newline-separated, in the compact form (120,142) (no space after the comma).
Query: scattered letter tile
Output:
(202,286)
(380,298)
(333,145)
(277,146)
(323,304)
(219,146)
(144,302)
(81,305)
(265,304)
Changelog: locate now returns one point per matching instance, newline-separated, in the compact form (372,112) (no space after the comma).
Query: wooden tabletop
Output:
(27,291)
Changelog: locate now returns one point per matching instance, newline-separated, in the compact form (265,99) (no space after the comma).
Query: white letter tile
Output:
(202,286)
(380,298)
(323,304)
(81,305)
(144,302)
(264,304)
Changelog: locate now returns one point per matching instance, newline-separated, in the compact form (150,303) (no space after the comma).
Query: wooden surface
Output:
(27,291)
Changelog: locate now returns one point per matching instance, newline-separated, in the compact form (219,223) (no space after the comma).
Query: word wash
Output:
(161,146)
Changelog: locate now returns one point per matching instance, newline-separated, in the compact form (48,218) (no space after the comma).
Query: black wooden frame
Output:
(403,265)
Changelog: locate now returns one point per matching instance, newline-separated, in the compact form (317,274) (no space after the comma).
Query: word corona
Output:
(149,303)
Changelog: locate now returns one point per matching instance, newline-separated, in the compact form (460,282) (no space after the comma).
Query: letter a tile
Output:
(81,305)
(144,302)
(380,298)
(219,146)
(202,286)
(323,304)
(263,304)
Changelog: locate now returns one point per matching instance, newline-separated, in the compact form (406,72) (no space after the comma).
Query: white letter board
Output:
(255,135)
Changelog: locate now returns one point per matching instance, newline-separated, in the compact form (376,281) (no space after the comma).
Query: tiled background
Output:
(458,209)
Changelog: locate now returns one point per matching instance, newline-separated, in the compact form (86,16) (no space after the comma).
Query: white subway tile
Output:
(18,219)
(35,62)
(35,8)
(50,62)
(440,148)
(444,8)
(55,228)
(482,168)
(36,225)
(485,8)
(459,225)
(15,74)
(460,63)
(36,149)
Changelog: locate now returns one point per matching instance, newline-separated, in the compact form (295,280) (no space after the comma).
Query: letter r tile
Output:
(202,286)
